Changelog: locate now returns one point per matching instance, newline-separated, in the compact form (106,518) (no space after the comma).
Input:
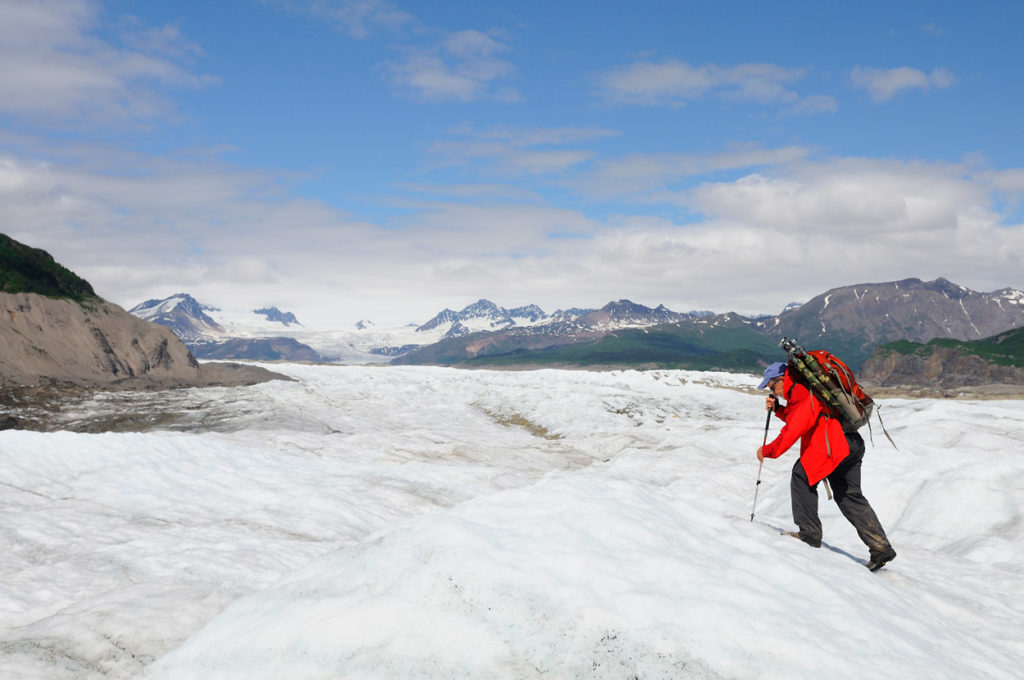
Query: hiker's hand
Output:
(760,453)
(769,404)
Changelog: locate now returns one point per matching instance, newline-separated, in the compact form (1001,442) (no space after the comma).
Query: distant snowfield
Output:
(351,346)
(385,522)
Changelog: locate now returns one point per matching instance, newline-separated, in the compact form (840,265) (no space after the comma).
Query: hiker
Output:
(826,452)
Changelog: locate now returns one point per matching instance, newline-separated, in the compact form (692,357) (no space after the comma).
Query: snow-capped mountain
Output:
(194,321)
(267,333)
(183,314)
(483,315)
(212,333)
(627,314)
(852,321)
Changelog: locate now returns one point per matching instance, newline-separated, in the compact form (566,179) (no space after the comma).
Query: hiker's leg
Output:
(805,506)
(845,481)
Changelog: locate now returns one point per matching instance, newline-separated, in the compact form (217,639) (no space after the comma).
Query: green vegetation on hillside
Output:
(1004,349)
(30,270)
(683,346)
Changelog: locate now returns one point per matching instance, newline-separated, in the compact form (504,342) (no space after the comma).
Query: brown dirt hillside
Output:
(98,344)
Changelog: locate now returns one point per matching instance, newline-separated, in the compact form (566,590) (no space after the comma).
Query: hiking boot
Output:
(796,534)
(878,561)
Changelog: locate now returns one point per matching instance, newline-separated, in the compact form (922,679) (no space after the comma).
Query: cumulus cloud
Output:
(882,84)
(786,228)
(56,70)
(870,197)
(675,83)
(163,224)
(794,230)
(852,220)
(1010,182)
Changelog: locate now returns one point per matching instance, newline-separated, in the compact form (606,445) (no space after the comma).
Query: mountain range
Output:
(852,321)
(913,331)
(485,316)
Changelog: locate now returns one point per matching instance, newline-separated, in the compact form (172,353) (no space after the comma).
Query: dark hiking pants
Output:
(845,482)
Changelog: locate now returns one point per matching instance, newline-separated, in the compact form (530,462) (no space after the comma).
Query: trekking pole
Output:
(767,422)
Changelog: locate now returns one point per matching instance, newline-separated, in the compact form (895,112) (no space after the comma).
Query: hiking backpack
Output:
(832,381)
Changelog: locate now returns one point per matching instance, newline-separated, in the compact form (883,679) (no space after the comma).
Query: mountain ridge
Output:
(855,319)
(852,321)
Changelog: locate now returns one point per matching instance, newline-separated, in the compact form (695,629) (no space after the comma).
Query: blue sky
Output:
(349,160)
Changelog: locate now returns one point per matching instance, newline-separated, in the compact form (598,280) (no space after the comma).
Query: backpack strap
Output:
(878,410)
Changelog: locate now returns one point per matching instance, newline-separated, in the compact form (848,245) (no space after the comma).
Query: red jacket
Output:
(822,443)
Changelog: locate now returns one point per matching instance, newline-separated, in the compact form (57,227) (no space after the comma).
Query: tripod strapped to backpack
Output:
(832,381)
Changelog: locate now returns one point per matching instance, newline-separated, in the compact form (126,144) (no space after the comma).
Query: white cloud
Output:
(675,83)
(358,18)
(794,231)
(855,220)
(456,66)
(138,233)
(493,229)
(638,176)
(464,66)
(882,84)
(518,150)
(55,70)
(791,230)
(1009,181)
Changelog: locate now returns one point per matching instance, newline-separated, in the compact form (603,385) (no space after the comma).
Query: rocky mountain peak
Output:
(445,316)
(482,309)
(276,315)
(483,315)
(531,313)
(182,313)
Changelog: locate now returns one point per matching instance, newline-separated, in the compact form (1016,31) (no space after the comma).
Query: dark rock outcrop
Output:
(946,368)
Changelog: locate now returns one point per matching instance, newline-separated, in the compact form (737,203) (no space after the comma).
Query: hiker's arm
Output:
(772,404)
(799,417)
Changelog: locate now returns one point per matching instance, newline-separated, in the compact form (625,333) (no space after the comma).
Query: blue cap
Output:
(776,370)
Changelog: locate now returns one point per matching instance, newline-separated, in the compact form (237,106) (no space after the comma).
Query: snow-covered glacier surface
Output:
(384,522)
